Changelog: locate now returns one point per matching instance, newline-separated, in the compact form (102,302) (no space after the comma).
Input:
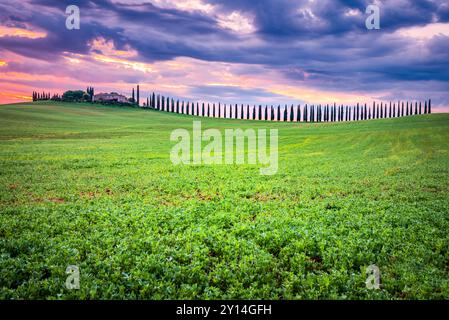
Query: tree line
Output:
(306,113)
(68,96)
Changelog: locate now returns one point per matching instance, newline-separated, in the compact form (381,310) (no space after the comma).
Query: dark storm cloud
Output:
(323,42)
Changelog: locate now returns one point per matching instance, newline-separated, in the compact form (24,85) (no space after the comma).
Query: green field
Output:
(93,186)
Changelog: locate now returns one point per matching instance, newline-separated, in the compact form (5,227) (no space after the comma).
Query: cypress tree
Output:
(298,113)
(420,107)
(219,110)
(203,110)
(416,107)
(266,113)
(430,106)
(407,110)
(254,112)
(291,114)
(133,97)
(335,113)
(148,102)
(177,106)
(138,95)
(305,114)
(425,107)
(285,114)
(278,116)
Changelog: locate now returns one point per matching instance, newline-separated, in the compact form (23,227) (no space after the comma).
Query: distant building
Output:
(110,97)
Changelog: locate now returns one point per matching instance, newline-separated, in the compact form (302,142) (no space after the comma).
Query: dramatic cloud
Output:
(233,51)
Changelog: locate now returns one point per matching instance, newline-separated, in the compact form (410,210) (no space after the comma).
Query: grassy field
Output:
(93,186)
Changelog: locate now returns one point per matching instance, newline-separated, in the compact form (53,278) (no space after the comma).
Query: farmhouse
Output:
(110,97)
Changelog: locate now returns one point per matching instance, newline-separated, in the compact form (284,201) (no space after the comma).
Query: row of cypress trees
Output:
(38,96)
(307,113)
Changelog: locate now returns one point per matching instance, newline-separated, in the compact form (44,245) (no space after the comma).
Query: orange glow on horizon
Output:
(19,32)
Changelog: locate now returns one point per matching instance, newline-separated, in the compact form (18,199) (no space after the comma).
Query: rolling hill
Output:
(93,186)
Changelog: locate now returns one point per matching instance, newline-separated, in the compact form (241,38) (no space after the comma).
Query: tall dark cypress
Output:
(148,102)
(420,107)
(305,114)
(285,114)
(292,114)
(278,115)
(430,106)
(133,96)
(266,113)
(425,107)
(138,95)
(416,107)
(298,113)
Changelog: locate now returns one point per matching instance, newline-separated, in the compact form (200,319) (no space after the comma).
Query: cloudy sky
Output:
(245,51)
